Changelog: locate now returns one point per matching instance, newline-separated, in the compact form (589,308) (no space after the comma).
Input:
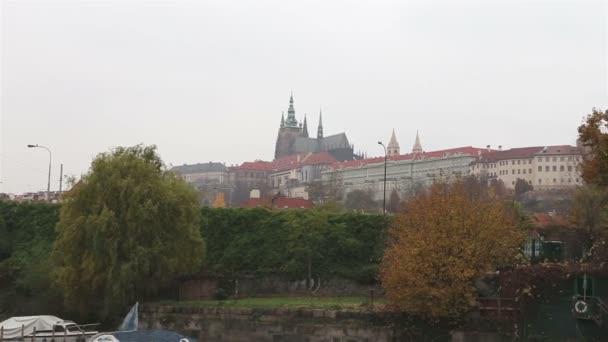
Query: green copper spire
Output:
(282,119)
(291,114)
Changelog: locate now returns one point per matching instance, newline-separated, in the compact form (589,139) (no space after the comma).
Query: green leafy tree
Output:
(393,203)
(590,212)
(521,187)
(27,231)
(126,230)
(361,200)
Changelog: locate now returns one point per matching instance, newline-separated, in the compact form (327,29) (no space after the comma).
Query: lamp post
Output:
(48,186)
(384,186)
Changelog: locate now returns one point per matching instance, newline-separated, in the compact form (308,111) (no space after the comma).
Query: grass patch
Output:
(329,303)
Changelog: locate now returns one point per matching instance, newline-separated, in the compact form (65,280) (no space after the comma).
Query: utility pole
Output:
(60,178)
(48,185)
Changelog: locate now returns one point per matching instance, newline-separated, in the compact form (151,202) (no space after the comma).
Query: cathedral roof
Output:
(332,142)
(335,141)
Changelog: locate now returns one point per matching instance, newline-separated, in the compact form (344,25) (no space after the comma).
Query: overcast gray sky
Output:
(208,80)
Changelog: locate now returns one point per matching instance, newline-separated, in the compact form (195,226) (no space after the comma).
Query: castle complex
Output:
(302,162)
(293,139)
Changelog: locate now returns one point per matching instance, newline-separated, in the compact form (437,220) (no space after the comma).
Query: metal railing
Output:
(499,308)
(44,334)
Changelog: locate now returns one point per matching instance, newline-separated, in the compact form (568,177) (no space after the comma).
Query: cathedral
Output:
(293,138)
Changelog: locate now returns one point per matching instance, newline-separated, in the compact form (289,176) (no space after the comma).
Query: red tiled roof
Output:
(467,150)
(543,220)
(279,203)
(302,159)
(514,153)
(527,152)
(257,165)
(559,149)
(289,162)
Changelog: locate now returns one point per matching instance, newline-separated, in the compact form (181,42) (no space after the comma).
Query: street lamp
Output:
(384,186)
(48,186)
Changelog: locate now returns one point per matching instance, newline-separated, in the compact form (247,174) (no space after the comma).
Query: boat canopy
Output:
(11,328)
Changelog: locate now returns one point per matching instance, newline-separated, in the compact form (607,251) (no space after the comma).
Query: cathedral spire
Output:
(305,128)
(320,129)
(291,114)
(417,146)
(282,119)
(393,145)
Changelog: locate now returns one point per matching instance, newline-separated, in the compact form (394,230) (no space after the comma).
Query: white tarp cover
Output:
(12,326)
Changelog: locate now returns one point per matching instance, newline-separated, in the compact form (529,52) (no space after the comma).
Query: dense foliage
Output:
(593,135)
(285,243)
(27,232)
(441,242)
(126,230)
(590,210)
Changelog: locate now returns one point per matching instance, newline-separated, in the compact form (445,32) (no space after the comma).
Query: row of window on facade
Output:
(528,161)
(540,181)
(562,158)
(553,168)
(561,180)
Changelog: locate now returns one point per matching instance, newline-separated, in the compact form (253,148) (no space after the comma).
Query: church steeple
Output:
(282,119)
(291,114)
(320,129)
(393,146)
(417,146)
(305,128)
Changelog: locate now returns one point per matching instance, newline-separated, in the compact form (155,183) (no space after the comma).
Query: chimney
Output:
(500,147)
(488,147)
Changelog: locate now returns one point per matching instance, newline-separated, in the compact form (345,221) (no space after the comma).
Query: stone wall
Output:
(297,325)
(205,288)
(244,324)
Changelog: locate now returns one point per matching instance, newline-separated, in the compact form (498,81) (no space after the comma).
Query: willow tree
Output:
(440,243)
(127,229)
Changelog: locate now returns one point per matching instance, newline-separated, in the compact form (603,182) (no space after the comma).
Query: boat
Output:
(129,331)
(44,329)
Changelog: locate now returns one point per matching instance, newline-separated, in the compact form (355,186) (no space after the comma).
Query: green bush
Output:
(263,242)
(27,232)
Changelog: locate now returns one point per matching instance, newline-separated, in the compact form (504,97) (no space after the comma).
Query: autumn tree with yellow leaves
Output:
(440,243)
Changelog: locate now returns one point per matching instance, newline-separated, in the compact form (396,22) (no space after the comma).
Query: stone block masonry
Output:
(246,324)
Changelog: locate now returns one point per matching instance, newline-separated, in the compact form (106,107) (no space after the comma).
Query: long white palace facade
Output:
(544,167)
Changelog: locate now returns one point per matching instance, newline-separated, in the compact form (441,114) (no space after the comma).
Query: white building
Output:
(549,167)
(404,173)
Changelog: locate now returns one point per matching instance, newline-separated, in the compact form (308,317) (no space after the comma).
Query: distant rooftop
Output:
(527,152)
(467,150)
(199,168)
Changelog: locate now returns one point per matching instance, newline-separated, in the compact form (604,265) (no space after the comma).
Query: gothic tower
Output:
(393,146)
(288,131)
(305,128)
(417,147)
(320,128)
